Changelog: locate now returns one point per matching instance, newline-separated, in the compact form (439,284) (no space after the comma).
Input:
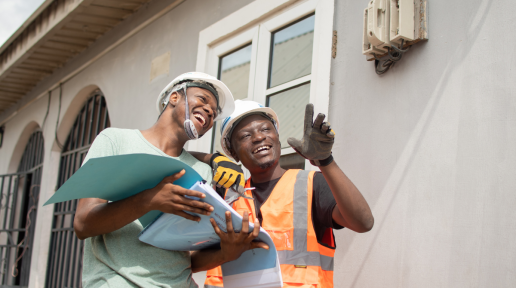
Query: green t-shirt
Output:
(119,259)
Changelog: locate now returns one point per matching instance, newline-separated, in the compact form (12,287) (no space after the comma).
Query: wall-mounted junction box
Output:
(387,22)
(402,20)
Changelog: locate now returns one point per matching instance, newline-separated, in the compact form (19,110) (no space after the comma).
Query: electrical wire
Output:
(394,54)
(58,115)
(48,108)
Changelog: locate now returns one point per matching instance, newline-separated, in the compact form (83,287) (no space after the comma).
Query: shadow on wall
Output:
(20,146)
(68,118)
(370,102)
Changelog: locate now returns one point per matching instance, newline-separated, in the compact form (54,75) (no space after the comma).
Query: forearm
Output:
(203,157)
(96,217)
(206,259)
(353,211)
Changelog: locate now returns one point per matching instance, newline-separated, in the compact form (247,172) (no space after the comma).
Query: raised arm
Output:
(352,210)
(96,216)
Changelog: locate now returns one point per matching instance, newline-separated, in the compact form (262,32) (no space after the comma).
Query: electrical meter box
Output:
(388,22)
(402,20)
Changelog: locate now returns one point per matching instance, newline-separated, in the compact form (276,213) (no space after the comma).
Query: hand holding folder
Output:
(235,243)
(118,177)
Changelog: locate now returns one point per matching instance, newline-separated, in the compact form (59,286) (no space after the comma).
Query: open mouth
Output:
(262,149)
(200,118)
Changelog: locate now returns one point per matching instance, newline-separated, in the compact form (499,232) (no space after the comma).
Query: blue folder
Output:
(117,177)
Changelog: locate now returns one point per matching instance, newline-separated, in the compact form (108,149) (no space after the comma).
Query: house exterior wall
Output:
(429,143)
(431,146)
(123,75)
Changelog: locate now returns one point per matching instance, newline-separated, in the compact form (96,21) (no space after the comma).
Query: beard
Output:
(267,164)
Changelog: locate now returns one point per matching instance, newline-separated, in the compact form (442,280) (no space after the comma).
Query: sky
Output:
(12,15)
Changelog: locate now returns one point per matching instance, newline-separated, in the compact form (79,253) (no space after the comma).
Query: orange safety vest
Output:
(287,217)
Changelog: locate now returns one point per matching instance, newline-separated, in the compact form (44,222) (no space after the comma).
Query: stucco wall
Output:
(431,145)
(123,75)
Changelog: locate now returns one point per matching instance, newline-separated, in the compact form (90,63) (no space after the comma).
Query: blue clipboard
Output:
(117,177)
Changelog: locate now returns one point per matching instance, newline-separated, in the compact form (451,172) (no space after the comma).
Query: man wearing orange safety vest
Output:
(298,208)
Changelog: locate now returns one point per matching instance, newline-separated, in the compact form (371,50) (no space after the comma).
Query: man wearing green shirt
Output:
(113,255)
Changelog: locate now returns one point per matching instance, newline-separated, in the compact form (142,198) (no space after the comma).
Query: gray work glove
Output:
(317,140)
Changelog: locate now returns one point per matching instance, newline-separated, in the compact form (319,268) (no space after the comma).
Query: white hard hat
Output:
(242,110)
(224,96)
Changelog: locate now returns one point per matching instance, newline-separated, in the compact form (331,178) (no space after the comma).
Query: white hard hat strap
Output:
(188,124)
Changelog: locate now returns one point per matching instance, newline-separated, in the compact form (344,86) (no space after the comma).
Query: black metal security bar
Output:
(19,201)
(65,255)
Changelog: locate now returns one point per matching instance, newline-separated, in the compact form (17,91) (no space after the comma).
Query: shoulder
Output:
(118,134)
(202,168)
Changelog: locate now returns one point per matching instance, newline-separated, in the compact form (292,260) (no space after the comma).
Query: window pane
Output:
(234,71)
(290,107)
(292,52)
(215,145)
(292,161)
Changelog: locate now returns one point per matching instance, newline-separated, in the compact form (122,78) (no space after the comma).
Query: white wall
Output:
(431,145)
(123,75)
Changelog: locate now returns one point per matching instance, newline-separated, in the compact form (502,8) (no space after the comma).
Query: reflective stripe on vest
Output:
(304,261)
(300,255)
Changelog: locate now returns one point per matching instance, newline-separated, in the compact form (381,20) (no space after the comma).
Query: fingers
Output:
(256,230)
(245,222)
(261,245)
(229,223)
(186,192)
(215,227)
(188,216)
(195,204)
(226,177)
(309,115)
(319,120)
(193,209)
(295,143)
(172,178)
(239,184)
(326,129)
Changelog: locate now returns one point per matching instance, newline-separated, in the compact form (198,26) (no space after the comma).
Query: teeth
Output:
(261,148)
(199,116)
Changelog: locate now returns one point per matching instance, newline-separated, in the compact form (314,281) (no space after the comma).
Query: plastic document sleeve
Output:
(254,268)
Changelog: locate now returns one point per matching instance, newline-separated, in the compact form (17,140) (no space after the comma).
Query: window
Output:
(283,49)
(234,71)
(19,202)
(65,255)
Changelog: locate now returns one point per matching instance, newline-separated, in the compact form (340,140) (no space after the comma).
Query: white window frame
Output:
(254,24)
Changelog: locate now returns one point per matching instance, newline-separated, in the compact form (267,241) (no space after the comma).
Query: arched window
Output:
(65,255)
(18,204)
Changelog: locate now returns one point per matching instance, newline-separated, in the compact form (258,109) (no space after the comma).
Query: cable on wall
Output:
(48,109)
(58,115)
(395,55)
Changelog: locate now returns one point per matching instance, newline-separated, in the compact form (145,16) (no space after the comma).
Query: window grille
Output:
(18,203)
(66,250)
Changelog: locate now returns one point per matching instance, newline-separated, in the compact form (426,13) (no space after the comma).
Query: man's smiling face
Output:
(255,142)
(203,108)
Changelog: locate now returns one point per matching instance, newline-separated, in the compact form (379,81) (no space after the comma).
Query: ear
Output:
(234,155)
(174,99)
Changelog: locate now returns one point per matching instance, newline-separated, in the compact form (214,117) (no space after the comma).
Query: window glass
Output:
(234,72)
(292,161)
(290,107)
(291,55)
(215,145)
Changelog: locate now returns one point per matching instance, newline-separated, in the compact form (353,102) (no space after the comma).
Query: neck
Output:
(264,175)
(167,135)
